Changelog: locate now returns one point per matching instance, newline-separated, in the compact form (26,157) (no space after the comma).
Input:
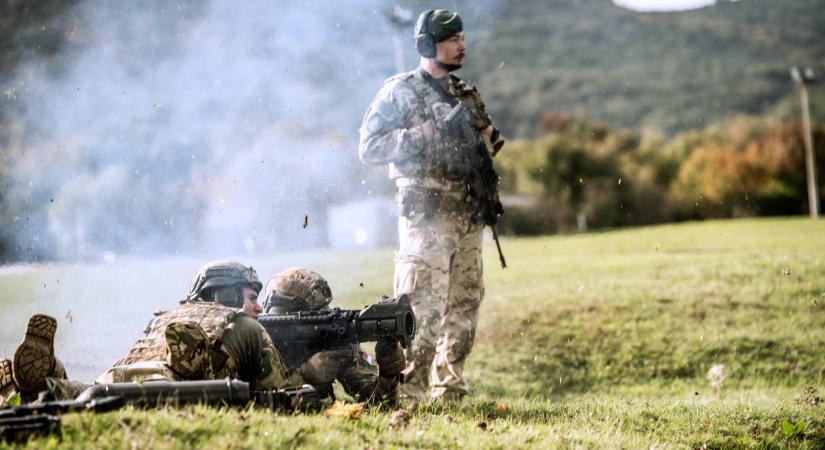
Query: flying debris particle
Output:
(501,64)
(306,220)
(220,199)
(361,284)
(786,272)
(619,183)
(10,94)
(154,105)
(69,316)
(51,200)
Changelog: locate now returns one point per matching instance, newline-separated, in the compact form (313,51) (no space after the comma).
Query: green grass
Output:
(599,340)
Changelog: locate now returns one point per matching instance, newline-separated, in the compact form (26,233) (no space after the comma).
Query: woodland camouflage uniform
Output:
(438,263)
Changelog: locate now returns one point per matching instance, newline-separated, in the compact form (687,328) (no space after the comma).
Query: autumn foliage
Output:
(576,174)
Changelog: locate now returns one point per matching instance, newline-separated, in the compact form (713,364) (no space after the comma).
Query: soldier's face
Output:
(250,303)
(451,52)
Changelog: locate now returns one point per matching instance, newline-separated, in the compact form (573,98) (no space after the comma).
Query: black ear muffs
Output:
(424,40)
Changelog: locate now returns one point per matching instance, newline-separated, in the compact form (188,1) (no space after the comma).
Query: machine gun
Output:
(483,177)
(301,334)
(20,422)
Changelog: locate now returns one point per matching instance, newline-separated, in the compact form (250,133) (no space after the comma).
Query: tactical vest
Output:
(437,169)
(213,318)
(437,183)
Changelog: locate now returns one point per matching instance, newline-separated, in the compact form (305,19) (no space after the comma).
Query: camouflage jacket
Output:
(239,347)
(391,132)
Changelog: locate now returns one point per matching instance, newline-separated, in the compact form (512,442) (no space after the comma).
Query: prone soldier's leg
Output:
(460,319)
(34,361)
(421,271)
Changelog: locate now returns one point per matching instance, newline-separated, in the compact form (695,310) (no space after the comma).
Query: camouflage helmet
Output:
(218,274)
(296,289)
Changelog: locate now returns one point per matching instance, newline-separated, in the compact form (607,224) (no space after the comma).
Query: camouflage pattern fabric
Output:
(439,259)
(439,267)
(201,340)
(356,374)
(392,130)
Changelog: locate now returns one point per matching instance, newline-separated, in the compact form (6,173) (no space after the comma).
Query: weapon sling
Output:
(453,102)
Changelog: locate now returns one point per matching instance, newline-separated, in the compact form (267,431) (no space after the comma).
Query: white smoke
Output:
(194,127)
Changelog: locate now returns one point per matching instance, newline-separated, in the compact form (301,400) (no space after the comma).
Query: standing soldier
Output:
(440,213)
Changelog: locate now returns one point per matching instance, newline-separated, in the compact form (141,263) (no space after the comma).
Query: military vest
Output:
(433,170)
(212,317)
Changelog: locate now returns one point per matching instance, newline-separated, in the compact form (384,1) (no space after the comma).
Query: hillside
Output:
(672,71)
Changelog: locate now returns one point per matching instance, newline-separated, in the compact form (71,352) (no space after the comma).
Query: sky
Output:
(663,5)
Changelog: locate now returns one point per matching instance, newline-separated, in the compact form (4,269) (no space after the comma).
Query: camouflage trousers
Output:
(62,388)
(439,266)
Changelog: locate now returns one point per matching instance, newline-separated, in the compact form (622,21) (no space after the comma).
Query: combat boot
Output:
(7,387)
(187,348)
(34,358)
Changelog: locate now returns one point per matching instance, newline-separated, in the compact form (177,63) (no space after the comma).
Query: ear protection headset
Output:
(424,40)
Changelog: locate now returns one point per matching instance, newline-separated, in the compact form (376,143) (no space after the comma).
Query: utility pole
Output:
(803,77)
(401,20)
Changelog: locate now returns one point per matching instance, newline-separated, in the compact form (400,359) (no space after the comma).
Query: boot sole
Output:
(34,358)
(6,379)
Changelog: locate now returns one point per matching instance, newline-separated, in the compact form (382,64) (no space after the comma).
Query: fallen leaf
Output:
(501,407)
(344,411)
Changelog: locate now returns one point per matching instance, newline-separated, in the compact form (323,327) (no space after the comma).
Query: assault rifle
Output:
(483,179)
(301,334)
(20,422)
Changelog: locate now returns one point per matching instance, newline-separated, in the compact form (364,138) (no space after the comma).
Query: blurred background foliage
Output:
(615,118)
(578,174)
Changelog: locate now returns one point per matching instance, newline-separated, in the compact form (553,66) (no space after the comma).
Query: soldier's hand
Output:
(428,128)
(323,367)
(390,358)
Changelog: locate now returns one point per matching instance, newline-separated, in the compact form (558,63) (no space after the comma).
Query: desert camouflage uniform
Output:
(173,349)
(439,259)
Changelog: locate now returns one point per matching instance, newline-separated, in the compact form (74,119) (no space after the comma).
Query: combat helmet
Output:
(222,282)
(296,289)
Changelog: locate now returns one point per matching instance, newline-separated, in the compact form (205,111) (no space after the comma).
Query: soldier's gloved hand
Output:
(428,129)
(390,358)
(322,367)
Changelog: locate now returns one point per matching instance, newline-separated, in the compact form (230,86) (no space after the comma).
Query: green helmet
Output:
(296,289)
(221,281)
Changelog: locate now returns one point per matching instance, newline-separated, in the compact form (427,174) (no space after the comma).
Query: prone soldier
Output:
(207,337)
(301,290)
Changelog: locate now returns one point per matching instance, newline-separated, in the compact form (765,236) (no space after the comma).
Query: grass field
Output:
(601,340)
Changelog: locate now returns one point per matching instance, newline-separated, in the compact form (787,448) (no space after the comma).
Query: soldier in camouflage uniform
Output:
(207,337)
(439,261)
(295,290)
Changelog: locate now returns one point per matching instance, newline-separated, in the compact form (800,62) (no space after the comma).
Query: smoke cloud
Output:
(195,127)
